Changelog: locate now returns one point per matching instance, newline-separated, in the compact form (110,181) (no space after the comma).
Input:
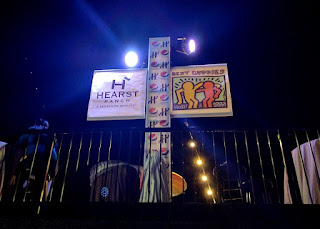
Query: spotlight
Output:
(186,46)
(192,46)
(199,161)
(131,59)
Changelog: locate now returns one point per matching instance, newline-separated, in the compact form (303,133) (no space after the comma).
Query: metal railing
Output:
(241,166)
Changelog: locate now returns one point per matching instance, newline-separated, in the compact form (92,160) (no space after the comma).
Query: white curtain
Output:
(2,165)
(155,186)
(309,184)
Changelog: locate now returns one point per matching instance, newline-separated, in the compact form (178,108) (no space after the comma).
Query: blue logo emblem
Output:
(154,64)
(165,52)
(104,192)
(155,43)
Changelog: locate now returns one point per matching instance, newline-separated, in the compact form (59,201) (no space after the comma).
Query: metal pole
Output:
(80,146)
(248,157)
(273,167)
(261,166)
(66,171)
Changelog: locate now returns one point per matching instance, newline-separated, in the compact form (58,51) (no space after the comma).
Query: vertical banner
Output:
(158,84)
(157,168)
(200,91)
(117,94)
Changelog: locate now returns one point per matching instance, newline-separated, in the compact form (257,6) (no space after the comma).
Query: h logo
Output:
(164,111)
(152,99)
(164,87)
(118,84)
(153,124)
(164,65)
(165,44)
(154,54)
(153,76)
(164,138)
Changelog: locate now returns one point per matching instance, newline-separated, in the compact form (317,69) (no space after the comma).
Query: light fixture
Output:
(209,192)
(186,45)
(131,59)
(204,178)
(192,46)
(199,161)
(192,144)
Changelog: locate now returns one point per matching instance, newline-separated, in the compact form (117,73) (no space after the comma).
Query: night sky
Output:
(49,50)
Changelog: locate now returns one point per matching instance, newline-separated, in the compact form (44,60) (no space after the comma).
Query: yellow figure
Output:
(189,91)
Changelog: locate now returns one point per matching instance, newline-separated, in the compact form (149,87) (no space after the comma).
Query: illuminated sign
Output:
(117,94)
(200,91)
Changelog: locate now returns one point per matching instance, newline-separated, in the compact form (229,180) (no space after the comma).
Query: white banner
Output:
(158,84)
(200,91)
(157,168)
(117,94)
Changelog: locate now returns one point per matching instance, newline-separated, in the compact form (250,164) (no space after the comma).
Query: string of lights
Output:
(199,162)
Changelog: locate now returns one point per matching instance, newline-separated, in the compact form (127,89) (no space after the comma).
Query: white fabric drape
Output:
(155,186)
(309,184)
(2,165)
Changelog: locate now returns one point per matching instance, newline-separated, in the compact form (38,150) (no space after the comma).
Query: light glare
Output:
(204,178)
(192,46)
(192,144)
(209,192)
(199,162)
(131,59)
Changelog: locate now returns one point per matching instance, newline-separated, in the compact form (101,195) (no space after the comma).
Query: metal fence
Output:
(240,166)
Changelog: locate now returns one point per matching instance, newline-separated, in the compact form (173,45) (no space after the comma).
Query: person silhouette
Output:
(211,92)
(189,91)
(32,171)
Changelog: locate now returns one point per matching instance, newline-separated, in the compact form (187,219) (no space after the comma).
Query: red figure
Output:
(211,91)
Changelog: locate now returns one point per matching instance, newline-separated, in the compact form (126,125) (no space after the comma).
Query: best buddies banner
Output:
(200,91)
(117,94)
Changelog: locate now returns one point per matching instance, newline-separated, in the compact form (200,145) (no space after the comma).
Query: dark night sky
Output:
(49,50)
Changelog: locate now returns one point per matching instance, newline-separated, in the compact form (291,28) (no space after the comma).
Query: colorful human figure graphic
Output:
(211,92)
(189,91)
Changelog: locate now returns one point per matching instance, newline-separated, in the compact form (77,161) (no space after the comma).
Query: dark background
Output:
(49,50)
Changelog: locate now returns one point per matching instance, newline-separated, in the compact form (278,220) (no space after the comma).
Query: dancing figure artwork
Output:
(200,91)
(199,95)
(211,91)
(189,91)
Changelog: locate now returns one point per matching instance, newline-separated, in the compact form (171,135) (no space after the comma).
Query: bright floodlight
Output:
(185,45)
(131,59)
(192,46)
